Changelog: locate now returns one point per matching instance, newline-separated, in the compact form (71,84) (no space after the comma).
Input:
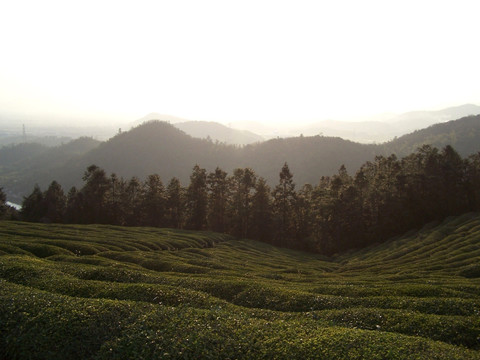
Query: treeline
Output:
(384,198)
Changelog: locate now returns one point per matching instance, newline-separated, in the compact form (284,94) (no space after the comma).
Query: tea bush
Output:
(106,292)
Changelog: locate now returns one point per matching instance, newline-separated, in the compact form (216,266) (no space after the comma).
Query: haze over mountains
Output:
(374,129)
(380,128)
(159,147)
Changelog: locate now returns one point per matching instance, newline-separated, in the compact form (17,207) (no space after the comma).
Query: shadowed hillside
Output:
(158,147)
(462,134)
(28,163)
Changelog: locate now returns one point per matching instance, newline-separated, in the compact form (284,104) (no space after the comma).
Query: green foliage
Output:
(103,292)
(158,147)
(196,199)
(386,197)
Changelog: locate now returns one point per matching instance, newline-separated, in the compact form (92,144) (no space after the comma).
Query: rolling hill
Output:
(383,128)
(28,163)
(112,292)
(462,134)
(158,147)
(416,120)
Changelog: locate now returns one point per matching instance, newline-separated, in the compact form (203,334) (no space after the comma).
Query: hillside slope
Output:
(463,134)
(24,165)
(158,147)
(450,248)
(139,292)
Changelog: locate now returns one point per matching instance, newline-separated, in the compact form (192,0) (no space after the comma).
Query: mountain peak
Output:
(157,116)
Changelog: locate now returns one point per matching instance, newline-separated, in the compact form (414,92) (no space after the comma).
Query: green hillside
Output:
(160,148)
(29,163)
(462,134)
(70,291)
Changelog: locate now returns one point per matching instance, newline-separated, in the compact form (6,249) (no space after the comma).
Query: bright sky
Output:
(274,61)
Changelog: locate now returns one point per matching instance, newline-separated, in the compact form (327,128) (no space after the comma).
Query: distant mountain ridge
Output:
(384,128)
(218,132)
(159,147)
(157,116)
(205,129)
(26,164)
(463,135)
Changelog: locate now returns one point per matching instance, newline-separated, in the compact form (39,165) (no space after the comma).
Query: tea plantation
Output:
(106,292)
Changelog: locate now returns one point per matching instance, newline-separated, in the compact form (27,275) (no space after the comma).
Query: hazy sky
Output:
(237,60)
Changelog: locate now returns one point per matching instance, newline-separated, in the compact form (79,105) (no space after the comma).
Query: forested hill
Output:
(158,147)
(24,164)
(462,134)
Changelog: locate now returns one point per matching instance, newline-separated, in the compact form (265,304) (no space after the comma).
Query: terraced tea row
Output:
(173,294)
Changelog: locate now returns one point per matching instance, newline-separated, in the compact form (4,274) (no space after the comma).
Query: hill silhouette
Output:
(159,147)
(24,164)
(384,127)
(462,134)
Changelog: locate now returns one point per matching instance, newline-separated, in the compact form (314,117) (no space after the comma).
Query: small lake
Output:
(16,206)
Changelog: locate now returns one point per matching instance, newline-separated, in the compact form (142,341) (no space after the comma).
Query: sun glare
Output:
(269,61)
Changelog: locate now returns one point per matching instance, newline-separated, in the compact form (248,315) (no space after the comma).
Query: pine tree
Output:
(95,195)
(196,206)
(304,216)
(261,228)
(131,202)
(33,206)
(55,203)
(115,215)
(243,183)
(219,191)
(74,209)
(153,201)
(174,206)
(284,199)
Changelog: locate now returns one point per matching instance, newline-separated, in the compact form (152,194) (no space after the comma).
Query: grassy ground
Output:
(105,292)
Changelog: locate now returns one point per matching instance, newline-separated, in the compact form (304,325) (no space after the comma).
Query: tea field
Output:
(106,292)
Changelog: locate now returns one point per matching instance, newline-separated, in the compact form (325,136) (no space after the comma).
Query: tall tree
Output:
(55,203)
(219,191)
(153,201)
(131,202)
(33,206)
(261,228)
(196,206)
(74,213)
(284,198)
(243,185)
(115,215)
(454,189)
(174,205)
(304,217)
(95,195)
